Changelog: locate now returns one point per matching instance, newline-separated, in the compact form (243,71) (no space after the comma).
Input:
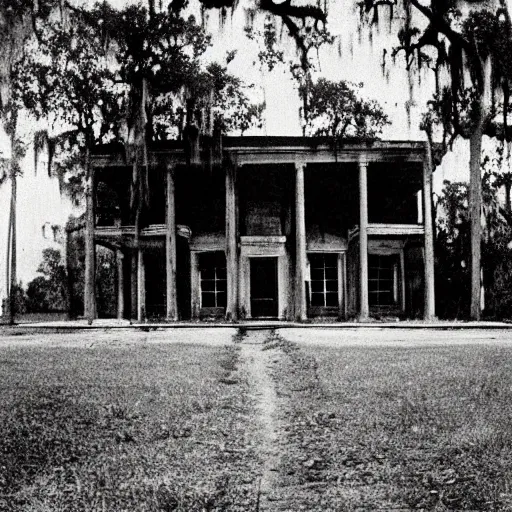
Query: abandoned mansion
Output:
(283,227)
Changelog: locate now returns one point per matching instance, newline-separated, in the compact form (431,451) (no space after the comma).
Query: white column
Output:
(170,249)
(141,286)
(133,284)
(231,244)
(120,284)
(195,292)
(430,306)
(364,311)
(419,199)
(300,244)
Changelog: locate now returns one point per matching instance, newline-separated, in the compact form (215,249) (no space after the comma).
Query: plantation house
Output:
(284,228)
(360,54)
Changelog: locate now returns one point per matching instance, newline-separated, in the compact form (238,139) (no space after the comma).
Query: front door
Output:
(264,287)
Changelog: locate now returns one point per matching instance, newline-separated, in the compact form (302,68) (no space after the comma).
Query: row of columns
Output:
(231,246)
(300,237)
(137,269)
(429,294)
(232,236)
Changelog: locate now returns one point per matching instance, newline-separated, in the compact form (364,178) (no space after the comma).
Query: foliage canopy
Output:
(337,111)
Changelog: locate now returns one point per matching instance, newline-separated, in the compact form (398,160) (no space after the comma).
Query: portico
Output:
(286,228)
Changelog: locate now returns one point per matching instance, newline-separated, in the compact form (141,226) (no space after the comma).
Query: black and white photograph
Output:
(255,255)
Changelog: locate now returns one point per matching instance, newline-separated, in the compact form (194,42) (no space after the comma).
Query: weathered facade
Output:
(285,228)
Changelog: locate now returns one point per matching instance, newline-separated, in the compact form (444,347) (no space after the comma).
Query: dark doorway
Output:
(264,287)
(156,282)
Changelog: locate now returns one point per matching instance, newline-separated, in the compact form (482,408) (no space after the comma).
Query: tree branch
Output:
(439,24)
(286,9)
(294,31)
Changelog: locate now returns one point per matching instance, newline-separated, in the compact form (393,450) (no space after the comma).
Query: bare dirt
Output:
(257,364)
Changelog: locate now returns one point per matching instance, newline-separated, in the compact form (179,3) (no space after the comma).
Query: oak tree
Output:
(67,78)
(469,42)
(337,111)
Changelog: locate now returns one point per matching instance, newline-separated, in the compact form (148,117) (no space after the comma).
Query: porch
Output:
(284,229)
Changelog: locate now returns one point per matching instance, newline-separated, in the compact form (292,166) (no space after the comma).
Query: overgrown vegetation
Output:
(49,291)
(60,287)
(453,247)
(337,111)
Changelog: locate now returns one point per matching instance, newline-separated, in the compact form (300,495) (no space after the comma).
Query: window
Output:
(212,268)
(324,280)
(383,280)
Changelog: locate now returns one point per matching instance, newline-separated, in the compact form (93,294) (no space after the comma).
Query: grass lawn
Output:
(390,428)
(126,427)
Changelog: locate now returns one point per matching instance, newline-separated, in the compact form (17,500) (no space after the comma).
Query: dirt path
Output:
(257,363)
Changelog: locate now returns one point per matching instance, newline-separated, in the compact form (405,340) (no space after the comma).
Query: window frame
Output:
(398,287)
(315,309)
(217,280)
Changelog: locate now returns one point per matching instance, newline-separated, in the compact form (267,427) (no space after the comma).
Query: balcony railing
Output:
(113,231)
(389,230)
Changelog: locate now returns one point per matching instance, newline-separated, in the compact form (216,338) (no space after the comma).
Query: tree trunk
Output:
(475,208)
(508,206)
(11,255)
(475,185)
(12,227)
(8,264)
(90,259)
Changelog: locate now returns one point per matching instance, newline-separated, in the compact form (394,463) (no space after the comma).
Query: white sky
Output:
(354,56)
